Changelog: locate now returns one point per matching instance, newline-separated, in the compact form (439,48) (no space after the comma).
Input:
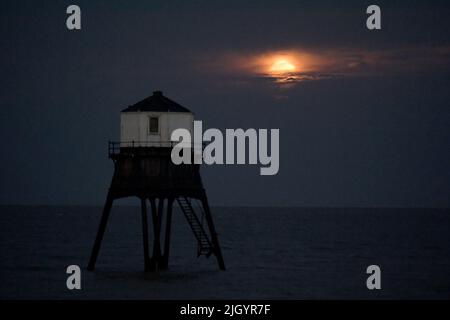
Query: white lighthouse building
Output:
(143,168)
(150,122)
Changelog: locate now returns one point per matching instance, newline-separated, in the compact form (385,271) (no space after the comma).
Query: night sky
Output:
(368,125)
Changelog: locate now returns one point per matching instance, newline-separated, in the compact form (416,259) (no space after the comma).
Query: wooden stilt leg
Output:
(160,218)
(212,231)
(165,258)
(101,231)
(147,263)
(160,213)
(156,258)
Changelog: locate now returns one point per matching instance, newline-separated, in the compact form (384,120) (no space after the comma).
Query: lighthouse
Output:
(143,168)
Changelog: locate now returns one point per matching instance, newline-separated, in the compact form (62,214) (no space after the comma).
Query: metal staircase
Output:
(205,246)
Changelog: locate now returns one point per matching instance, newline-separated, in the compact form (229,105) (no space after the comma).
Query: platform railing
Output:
(115,148)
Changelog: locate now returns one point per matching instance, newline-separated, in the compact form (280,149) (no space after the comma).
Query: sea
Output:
(270,253)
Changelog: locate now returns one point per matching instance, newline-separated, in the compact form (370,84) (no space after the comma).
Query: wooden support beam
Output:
(101,231)
(160,212)
(212,231)
(147,263)
(156,257)
(165,258)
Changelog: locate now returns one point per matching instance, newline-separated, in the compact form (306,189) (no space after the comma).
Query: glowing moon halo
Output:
(282,66)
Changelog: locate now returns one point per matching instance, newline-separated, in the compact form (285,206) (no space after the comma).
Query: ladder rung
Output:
(204,243)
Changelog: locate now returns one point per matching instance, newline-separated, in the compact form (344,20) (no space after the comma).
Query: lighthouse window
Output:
(153,125)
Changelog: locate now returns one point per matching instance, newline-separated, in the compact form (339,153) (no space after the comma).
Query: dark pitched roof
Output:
(158,103)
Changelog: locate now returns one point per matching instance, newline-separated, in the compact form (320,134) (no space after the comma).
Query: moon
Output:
(281,66)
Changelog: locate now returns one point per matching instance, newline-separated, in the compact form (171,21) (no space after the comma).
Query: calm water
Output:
(288,253)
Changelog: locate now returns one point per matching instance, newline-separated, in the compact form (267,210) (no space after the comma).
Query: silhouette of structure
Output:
(143,168)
